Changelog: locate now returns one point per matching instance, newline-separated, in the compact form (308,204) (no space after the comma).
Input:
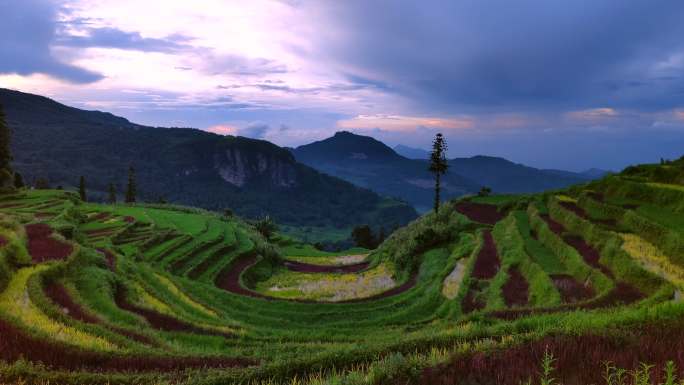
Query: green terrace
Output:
(133,294)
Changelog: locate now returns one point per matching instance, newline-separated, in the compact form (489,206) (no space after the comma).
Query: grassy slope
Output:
(166,260)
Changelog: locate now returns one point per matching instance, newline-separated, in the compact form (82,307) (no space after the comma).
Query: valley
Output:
(97,293)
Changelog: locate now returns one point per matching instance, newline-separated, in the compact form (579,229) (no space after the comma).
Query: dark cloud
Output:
(509,54)
(256,130)
(116,38)
(281,86)
(27,31)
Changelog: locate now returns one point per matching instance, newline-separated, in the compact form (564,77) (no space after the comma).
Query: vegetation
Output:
(184,167)
(6,174)
(156,293)
(82,189)
(438,164)
(111,194)
(131,187)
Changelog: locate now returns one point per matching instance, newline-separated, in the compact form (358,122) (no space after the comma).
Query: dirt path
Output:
(571,206)
(571,290)
(42,247)
(311,268)
(487,263)
(480,212)
(470,302)
(622,294)
(162,321)
(15,344)
(58,295)
(110,258)
(516,290)
(590,255)
(554,226)
(579,360)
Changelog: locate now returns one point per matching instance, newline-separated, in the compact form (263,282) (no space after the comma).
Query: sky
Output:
(549,83)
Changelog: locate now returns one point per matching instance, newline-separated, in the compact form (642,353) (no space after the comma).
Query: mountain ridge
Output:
(408,179)
(182,165)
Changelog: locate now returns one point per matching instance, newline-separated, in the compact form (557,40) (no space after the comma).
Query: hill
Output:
(504,176)
(185,166)
(368,162)
(411,153)
(571,279)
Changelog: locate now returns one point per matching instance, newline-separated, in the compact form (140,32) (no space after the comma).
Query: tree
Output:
(438,164)
(6,175)
(111,198)
(18,181)
(363,237)
(131,187)
(82,189)
(42,184)
(484,191)
(266,226)
(381,236)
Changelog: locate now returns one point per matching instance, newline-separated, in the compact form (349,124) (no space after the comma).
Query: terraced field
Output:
(476,294)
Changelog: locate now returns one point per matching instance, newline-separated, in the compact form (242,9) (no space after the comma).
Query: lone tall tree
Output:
(131,188)
(111,199)
(82,189)
(19,181)
(438,164)
(6,175)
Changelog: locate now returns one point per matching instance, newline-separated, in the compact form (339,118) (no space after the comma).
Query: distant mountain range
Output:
(186,166)
(370,163)
(411,153)
(297,186)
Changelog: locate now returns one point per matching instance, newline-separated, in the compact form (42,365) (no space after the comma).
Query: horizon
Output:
(570,86)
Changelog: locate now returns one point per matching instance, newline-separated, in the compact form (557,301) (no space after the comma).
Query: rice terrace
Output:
(97,293)
(357,192)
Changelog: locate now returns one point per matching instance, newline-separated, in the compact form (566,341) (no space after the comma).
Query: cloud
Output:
(403,123)
(27,32)
(256,130)
(115,38)
(593,114)
(233,64)
(223,129)
(533,54)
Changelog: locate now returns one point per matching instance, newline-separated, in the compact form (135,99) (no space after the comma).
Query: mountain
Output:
(411,153)
(504,176)
(595,173)
(370,163)
(185,166)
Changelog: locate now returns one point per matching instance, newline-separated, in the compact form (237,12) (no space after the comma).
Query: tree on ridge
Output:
(438,164)
(82,189)
(111,198)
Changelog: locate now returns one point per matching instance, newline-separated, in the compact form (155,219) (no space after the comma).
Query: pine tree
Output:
(131,188)
(6,175)
(43,184)
(111,199)
(82,189)
(19,181)
(438,164)
(381,236)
